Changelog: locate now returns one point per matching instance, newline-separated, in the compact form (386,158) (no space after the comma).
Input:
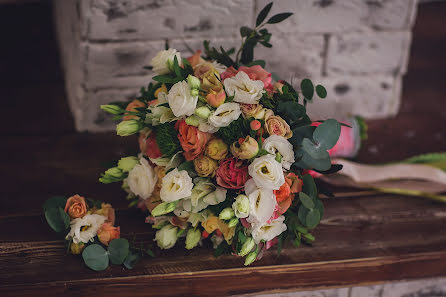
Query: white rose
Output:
(86,228)
(280,144)
(142,179)
(180,99)
(241,206)
(166,237)
(243,88)
(225,114)
(268,231)
(176,185)
(161,61)
(262,203)
(266,172)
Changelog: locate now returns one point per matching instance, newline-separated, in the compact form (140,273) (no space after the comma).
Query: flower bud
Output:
(194,92)
(127,163)
(255,125)
(112,109)
(163,208)
(203,112)
(247,149)
(250,258)
(278,157)
(126,128)
(166,237)
(77,248)
(233,222)
(226,214)
(193,121)
(192,238)
(247,247)
(241,206)
(114,172)
(193,82)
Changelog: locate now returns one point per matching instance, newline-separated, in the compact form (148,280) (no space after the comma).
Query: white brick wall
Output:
(357,48)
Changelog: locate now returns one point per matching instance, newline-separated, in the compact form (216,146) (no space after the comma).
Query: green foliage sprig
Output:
(167,140)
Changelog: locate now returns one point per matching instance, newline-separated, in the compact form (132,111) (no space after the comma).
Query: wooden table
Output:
(362,239)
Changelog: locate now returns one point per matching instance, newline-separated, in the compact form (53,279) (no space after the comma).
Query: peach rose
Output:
(192,140)
(107,211)
(107,233)
(132,107)
(276,125)
(76,207)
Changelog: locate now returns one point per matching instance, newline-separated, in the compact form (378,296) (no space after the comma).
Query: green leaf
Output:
(118,250)
(167,79)
(248,51)
(188,166)
(315,151)
(309,186)
(58,219)
(291,111)
(321,91)
(302,215)
(245,31)
(300,133)
(263,14)
(279,17)
(319,206)
(55,202)
(318,164)
(327,133)
(176,67)
(306,200)
(95,257)
(313,218)
(131,260)
(257,62)
(307,88)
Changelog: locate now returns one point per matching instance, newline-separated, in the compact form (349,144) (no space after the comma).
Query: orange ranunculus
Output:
(192,140)
(283,192)
(132,107)
(107,211)
(76,207)
(107,233)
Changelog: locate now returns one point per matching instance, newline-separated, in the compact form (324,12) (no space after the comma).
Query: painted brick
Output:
(136,20)
(368,52)
(328,16)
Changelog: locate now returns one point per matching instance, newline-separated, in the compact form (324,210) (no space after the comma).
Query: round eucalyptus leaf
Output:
(315,151)
(95,257)
(307,88)
(54,202)
(118,250)
(302,215)
(321,91)
(309,186)
(313,218)
(319,206)
(318,164)
(131,260)
(58,219)
(327,133)
(306,200)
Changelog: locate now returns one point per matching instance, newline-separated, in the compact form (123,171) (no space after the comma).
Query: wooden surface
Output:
(361,240)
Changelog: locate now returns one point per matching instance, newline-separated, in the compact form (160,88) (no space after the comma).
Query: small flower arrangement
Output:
(91,231)
(225,151)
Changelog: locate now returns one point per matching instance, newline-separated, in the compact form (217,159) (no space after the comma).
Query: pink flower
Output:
(255,72)
(232,173)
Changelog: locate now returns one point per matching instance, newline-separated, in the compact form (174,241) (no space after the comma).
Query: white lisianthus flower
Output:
(86,228)
(241,206)
(268,231)
(204,126)
(266,172)
(166,237)
(163,61)
(142,179)
(180,99)
(243,88)
(176,185)
(280,144)
(204,193)
(225,114)
(262,203)
(167,162)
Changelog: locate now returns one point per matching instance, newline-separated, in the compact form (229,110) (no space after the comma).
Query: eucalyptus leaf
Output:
(291,110)
(118,250)
(315,151)
(279,17)
(263,14)
(327,133)
(306,200)
(309,186)
(300,133)
(319,206)
(302,215)
(321,91)
(131,260)
(313,218)
(95,257)
(307,88)
(308,162)
(55,202)
(58,219)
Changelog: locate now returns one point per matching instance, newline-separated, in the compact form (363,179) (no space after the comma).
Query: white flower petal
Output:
(276,143)
(225,114)
(243,88)
(176,185)
(180,99)
(266,172)
(142,179)
(268,231)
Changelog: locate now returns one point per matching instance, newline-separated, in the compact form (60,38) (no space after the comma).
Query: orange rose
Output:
(294,182)
(192,140)
(107,211)
(195,59)
(285,195)
(76,207)
(276,125)
(132,107)
(107,233)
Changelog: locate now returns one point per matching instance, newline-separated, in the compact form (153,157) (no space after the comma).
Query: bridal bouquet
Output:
(225,151)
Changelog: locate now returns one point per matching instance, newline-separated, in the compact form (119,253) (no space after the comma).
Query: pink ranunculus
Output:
(232,173)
